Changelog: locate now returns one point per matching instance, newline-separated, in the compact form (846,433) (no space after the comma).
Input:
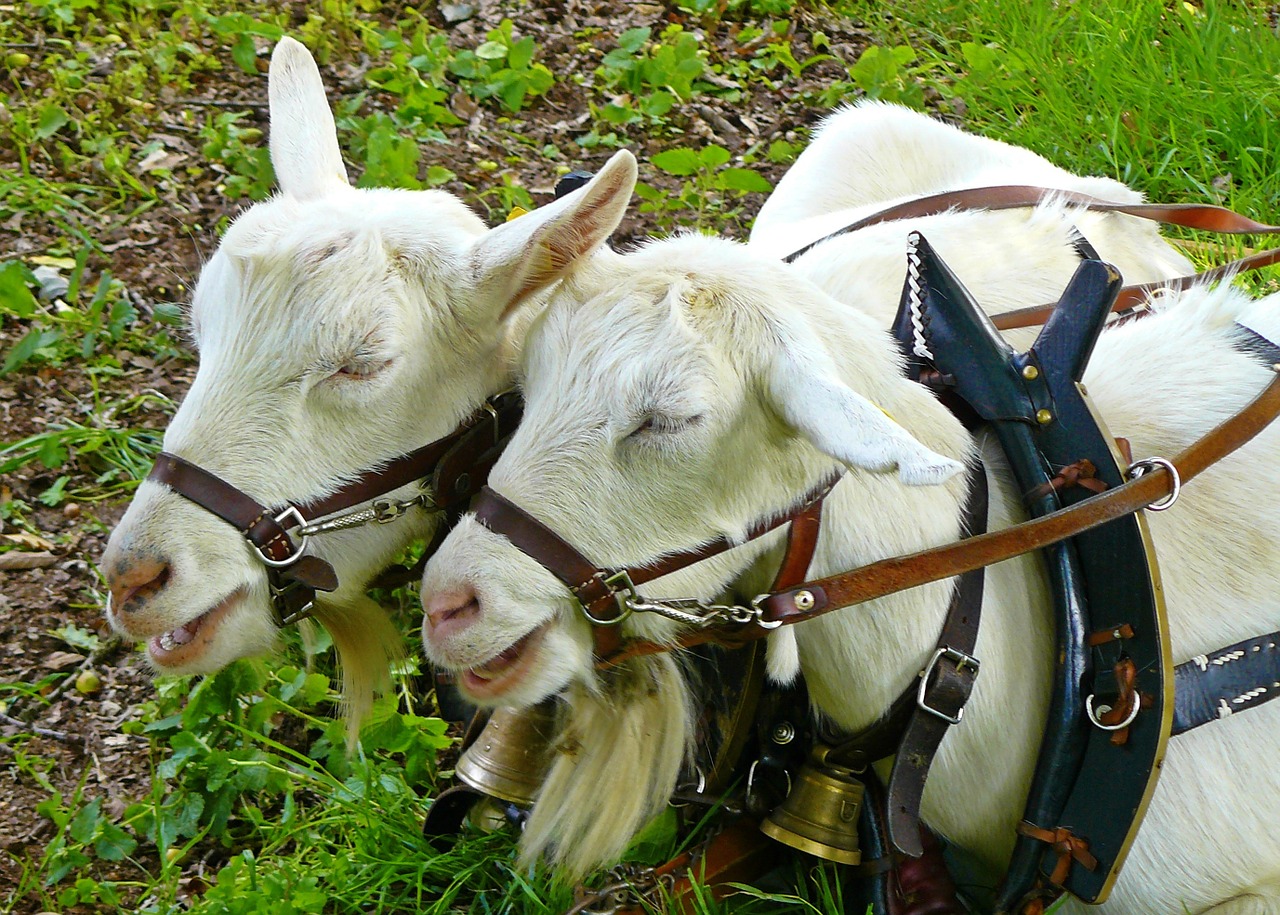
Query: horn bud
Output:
(821,811)
(511,756)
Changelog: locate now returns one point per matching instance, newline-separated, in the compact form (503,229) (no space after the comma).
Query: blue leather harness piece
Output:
(1233,679)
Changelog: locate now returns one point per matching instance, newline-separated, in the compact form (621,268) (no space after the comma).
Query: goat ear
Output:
(525,255)
(304,140)
(844,424)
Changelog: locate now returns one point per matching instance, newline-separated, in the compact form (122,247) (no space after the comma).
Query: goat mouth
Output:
(504,670)
(183,644)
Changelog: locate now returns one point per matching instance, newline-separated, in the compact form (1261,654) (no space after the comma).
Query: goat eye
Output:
(656,424)
(361,369)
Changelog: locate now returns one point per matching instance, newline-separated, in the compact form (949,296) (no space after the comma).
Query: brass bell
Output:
(820,814)
(511,756)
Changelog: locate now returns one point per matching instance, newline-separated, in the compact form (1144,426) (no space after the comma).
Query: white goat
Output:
(680,393)
(337,328)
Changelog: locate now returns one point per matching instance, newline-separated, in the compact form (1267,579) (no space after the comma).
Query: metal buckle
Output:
(962,661)
(290,512)
(624,593)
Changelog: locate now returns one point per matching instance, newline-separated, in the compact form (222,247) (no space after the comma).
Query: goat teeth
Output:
(166,641)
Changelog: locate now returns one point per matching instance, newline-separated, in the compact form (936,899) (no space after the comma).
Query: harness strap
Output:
(1213,686)
(920,717)
(1192,216)
(293,577)
(1018,196)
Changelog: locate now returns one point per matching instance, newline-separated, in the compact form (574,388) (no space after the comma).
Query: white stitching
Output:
(915,300)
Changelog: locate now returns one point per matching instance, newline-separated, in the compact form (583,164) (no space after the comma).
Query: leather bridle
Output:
(448,472)
(608,596)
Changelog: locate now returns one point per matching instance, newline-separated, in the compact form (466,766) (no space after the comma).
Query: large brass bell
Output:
(511,756)
(820,814)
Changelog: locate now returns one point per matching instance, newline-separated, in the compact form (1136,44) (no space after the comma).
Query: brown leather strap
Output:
(1069,847)
(1017,196)
(1191,215)
(252,519)
(459,459)
(947,683)
(598,589)
(902,572)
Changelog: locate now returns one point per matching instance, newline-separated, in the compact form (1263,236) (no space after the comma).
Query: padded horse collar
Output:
(447,470)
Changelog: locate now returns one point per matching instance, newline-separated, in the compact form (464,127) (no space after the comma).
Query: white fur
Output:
(655,422)
(408,289)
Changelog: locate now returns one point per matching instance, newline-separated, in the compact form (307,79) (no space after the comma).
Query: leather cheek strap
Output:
(215,495)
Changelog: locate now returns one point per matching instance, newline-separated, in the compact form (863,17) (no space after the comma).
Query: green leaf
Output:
(743,179)
(520,55)
(52,453)
(114,843)
(491,50)
(53,495)
(714,156)
(15,293)
(245,54)
(438,175)
(52,119)
(85,824)
(633,40)
(679,161)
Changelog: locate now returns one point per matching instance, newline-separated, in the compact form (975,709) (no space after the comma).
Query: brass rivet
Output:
(1030,372)
(804,600)
(1044,417)
(784,733)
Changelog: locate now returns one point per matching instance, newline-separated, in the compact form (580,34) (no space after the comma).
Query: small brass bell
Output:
(511,756)
(820,814)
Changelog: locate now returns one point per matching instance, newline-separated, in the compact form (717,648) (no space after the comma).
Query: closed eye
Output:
(662,424)
(359,367)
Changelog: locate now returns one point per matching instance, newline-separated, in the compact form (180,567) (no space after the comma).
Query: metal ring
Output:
(758,612)
(627,610)
(1133,713)
(1146,465)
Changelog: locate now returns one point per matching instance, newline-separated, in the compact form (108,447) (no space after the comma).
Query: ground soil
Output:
(158,254)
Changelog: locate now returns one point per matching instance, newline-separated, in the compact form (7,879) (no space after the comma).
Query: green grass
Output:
(248,767)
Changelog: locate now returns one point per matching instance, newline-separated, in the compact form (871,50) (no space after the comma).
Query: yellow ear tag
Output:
(516,213)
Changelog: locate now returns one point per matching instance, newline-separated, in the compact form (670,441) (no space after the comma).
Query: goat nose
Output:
(134,580)
(453,608)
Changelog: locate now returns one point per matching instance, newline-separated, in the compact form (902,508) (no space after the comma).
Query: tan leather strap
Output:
(899,573)
(1130,296)
(903,572)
